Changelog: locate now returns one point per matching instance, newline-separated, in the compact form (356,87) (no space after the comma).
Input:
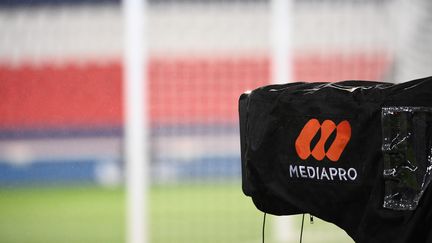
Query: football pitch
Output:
(217,212)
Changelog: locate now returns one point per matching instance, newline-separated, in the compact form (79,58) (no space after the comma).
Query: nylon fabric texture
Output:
(354,153)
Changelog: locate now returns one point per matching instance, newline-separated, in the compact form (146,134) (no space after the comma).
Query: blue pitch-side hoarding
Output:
(179,153)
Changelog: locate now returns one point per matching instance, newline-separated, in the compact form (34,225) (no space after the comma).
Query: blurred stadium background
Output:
(61,136)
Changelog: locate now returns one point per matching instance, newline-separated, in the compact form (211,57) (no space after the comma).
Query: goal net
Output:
(61,112)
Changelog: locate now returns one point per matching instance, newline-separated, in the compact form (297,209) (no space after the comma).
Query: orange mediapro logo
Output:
(303,142)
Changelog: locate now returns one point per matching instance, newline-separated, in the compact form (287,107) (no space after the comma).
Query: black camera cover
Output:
(354,153)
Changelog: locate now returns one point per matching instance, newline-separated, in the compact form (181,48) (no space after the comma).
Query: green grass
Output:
(86,214)
(178,213)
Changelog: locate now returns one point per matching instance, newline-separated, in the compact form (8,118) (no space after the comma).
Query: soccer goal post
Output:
(281,72)
(136,126)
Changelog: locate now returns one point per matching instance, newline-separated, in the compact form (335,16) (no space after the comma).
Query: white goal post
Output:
(282,72)
(136,128)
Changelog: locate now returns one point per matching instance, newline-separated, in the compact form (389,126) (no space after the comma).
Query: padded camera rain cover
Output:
(354,153)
